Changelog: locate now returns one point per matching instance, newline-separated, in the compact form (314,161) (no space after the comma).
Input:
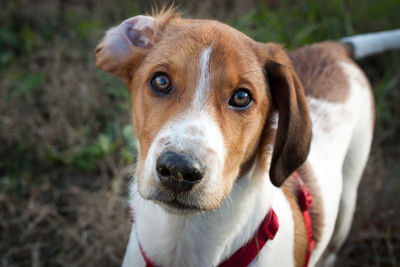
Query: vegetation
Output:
(66,141)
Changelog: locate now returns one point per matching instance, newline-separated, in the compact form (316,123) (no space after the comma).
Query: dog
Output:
(228,129)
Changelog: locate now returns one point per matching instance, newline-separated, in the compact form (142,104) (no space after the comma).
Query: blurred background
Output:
(66,142)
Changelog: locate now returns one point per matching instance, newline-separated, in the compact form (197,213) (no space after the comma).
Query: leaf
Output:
(104,143)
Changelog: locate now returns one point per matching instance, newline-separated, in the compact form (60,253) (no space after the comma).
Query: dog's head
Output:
(205,102)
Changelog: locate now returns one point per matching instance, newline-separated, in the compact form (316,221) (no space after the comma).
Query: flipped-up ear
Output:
(124,46)
(293,136)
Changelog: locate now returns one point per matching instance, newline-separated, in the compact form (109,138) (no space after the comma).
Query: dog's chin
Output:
(173,204)
(177,207)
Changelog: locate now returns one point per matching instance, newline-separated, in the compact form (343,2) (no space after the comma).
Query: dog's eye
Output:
(161,83)
(241,98)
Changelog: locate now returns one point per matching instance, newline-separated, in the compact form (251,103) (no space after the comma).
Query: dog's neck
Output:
(206,238)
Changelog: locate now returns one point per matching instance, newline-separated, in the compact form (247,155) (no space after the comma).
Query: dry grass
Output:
(64,227)
(65,143)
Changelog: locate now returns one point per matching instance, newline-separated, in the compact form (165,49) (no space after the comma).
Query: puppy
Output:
(228,129)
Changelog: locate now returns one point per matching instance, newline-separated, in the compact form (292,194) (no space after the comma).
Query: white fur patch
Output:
(203,84)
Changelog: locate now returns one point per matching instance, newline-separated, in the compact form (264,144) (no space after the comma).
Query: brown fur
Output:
(316,65)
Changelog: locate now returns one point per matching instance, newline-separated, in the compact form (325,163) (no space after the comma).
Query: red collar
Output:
(304,198)
(246,254)
(267,230)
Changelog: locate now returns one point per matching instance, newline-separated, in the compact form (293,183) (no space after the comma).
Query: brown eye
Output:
(161,83)
(241,98)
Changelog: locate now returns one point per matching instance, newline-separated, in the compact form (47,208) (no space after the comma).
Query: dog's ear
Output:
(124,47)
(293,136)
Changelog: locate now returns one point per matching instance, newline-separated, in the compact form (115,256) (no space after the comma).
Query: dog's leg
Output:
(352,169)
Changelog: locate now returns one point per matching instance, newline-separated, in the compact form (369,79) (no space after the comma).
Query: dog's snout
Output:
(179,171)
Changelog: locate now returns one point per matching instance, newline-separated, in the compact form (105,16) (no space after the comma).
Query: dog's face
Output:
(203,107)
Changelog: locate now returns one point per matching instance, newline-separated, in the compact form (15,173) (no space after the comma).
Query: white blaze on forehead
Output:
(203,84)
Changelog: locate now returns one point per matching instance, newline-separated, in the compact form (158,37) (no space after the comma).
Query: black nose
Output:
(179,171)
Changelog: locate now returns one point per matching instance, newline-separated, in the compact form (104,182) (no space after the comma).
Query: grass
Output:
(67,142)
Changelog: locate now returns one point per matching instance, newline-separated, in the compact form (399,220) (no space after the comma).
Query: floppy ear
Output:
(124,46)
(293,136)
